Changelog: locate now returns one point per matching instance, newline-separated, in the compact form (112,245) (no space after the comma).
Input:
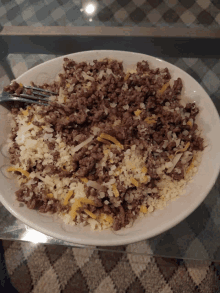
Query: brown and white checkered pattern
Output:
(160,13)
(39,268)
(53,268)
(200,13)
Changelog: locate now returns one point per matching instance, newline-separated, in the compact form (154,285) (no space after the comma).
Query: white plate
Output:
(153,224)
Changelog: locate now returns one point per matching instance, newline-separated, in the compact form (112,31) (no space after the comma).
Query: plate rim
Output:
(120,241)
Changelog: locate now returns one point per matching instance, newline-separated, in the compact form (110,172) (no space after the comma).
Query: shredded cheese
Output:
(103,140)
(150,120)
(90,214)
(130,165)
(115,190)
(105,152)
(25,180)
(78,204)
(67,85)
(106,218)
(85,180)
(164,87)
(144,170)
(68,196)
(50,195)
(145,179)
(25,112)
(112,139)
(127,76)
(191,166)
(189,123)
(137,112)
(134,181)
(13,169)
(21,85)
(184,149)
(117,172)
(75,206)
(87,201)
(143,209)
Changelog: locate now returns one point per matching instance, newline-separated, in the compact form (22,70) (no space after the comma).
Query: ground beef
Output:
(101,95)
(117,224)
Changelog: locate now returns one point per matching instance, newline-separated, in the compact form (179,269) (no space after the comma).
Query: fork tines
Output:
(39,89)
(37,94)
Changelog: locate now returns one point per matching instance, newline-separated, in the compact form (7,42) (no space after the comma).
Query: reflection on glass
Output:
(34,236)
(90,8)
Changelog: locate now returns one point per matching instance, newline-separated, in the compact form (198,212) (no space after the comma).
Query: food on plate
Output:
(111,146)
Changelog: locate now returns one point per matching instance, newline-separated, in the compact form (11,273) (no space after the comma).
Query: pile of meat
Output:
(140,108)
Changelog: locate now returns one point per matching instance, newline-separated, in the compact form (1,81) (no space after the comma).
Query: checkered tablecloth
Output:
(48,268)
(197,237)
(52,268)
(183,13)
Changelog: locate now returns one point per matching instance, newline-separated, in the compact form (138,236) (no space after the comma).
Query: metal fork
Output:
(38,96)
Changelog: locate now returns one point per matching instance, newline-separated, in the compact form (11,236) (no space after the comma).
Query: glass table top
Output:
(21,48)
(197,237)
(119,13)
